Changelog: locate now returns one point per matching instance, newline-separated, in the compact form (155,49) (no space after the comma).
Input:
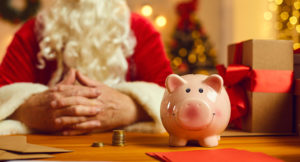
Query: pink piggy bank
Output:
(195,107)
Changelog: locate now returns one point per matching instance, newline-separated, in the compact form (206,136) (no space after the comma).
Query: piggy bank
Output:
(195,107)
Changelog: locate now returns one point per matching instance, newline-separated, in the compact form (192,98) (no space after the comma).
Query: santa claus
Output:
(83,66)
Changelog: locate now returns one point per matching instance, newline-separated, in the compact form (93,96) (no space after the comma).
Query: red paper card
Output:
(216,155)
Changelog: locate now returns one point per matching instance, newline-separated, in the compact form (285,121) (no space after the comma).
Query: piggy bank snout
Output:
(194,115)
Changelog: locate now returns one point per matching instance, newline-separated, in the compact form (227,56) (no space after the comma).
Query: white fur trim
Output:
(9,127)
(11,97)
(149,96)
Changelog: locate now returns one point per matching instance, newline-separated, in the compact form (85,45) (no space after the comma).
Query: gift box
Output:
(259,82)
(297,64)
(297,105)
(297,90)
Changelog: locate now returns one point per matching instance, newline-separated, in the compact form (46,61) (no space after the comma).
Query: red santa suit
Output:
(20,77)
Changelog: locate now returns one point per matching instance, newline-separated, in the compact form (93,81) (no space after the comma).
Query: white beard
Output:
(92,36)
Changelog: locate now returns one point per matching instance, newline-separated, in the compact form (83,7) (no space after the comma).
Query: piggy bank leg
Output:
(210,141)
(177,141)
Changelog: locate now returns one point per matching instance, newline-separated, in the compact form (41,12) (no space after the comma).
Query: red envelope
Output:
(216,155)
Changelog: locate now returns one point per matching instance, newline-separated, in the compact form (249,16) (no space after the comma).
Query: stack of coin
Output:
(118,138)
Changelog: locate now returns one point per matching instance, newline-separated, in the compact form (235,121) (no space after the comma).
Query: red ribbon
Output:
(234,79)
(240,78)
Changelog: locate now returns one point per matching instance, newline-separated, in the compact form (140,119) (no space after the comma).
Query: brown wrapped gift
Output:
(268,112)
(297,65)
(297,105)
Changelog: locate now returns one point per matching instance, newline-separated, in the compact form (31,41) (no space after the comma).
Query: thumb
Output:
(84,80)
(69,78)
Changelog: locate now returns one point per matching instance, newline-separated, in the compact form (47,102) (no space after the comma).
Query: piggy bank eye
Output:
(188,90)
(200,90)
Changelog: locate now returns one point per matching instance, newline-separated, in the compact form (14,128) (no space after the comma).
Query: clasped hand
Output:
(72,109)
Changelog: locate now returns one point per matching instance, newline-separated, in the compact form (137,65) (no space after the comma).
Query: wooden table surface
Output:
(137,144)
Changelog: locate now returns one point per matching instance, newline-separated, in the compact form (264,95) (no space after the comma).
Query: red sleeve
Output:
(150,62)
(19,62)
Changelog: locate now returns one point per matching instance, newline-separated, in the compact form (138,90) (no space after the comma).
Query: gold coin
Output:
(118,138)
(97,144)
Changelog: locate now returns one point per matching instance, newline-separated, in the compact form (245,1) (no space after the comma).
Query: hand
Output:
(117,109)
(41,112)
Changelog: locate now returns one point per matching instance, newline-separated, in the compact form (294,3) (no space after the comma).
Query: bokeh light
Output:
(160,21)
(268,15)
(293,20)
(284,15)
(146,10)
(278,2)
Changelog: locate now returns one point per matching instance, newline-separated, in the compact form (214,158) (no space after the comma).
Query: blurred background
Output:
(195,32)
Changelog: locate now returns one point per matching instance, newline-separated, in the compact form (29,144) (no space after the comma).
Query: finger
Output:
(88,125)
(69,78)
(74,100)
(76,90)
(67,120)
(79,110)
(84,80)
(75,132)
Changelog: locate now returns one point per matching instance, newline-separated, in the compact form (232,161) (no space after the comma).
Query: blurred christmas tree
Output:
(190,50)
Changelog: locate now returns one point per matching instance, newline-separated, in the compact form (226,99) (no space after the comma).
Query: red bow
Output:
(235,78)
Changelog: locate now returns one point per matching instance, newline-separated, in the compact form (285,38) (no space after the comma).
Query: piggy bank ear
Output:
(215,81)
(173,81)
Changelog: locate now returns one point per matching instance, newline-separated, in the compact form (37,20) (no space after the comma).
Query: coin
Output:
(97,144)
(118,138)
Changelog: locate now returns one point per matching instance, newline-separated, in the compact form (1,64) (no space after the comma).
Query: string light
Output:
(293,20)
(160,21)
(182,52)
(177,61)
(284,15)
(272,7)
(287,23)
(297,5)
(278,2)
(192,58)
(146,10)
(296,45)
(296,13)
(298,28)
(268,15)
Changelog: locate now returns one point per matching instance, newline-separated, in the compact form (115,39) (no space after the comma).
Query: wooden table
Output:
(283,147)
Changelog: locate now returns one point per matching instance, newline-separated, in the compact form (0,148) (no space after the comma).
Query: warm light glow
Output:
(278,2)
(296,13)
(197,42)
(200,49)
(296,45)
(192,58)
(273,7)
(146,10)
(177,61)
(293,20)
(298,28)
(160,21)
(297,5)
(268,15)
(205,72)
(284,15)
(182,52)
(202,58)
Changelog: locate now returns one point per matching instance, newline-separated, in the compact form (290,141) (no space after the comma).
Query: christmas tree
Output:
(190,50)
